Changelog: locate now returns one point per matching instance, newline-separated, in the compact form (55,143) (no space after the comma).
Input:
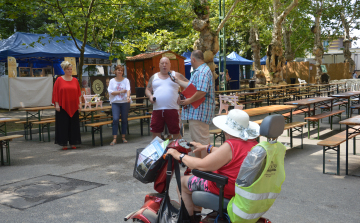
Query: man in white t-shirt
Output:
(166,106)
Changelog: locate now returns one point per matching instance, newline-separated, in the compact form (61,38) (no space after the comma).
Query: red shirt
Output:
(240,149)
(67,94)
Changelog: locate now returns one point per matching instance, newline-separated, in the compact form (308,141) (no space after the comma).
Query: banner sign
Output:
(73,63)
(12,67)
(96,61)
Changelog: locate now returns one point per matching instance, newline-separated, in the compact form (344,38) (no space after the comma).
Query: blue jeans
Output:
(117,110)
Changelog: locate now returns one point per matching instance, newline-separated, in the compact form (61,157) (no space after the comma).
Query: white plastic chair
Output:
(226,101)
(302,81)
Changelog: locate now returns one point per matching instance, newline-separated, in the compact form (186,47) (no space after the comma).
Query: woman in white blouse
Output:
(119,92)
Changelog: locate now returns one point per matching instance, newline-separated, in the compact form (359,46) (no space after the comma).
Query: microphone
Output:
(171,77)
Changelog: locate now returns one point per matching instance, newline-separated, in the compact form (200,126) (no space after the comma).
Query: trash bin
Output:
(252,84)
(292,80)
(140,92)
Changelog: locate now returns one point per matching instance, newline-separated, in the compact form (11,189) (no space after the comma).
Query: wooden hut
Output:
(141,67)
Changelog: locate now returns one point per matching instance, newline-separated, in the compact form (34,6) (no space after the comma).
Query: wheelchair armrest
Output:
(214,177)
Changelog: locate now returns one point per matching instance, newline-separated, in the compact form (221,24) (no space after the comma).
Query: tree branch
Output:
(287,11)
(67,24)
(221,25)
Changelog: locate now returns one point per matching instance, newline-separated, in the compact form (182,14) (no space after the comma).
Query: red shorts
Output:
(169,116)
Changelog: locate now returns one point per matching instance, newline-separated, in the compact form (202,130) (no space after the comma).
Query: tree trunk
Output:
(347,44)
(275,59)
(259,76)
(289,53)
(208,41)
(318,50)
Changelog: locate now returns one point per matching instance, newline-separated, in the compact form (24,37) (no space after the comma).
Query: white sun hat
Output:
(237,124)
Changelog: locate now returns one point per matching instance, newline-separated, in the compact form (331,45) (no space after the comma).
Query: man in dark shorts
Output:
(166,106)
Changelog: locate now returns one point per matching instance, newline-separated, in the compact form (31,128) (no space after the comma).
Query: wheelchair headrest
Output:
(272,126)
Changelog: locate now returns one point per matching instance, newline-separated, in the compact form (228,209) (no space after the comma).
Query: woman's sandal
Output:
(112,143)
(124,140)
(64,148)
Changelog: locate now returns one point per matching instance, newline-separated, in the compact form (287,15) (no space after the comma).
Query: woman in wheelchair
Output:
(240,136)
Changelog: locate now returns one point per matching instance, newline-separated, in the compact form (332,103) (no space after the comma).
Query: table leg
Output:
(347,148)
(1,151)
(39,118)
(348,108)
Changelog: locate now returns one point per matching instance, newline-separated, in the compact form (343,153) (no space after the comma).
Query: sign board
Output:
(171,56)
(99,85)
(97,61)
(12,67)
(153,47)
(323,68)
(72,60)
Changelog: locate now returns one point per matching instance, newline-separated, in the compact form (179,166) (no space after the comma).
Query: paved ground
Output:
(95,184)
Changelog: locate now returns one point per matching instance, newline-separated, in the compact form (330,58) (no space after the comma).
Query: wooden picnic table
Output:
(3,122)
(351,123)
(348,95)
(306,103)
(34,112)
(269,109)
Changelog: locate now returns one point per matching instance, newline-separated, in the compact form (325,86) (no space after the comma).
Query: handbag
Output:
(152,172)
(168,213)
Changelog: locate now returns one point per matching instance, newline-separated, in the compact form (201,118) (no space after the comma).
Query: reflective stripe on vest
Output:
(244,215)
(254,197)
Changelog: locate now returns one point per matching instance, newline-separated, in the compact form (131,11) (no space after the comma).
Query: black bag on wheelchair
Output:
(148,170)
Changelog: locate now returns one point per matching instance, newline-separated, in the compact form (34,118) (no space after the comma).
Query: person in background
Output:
(119,96)
(355,76)
(228,78)
(201,117)
(66,98)
(165,107)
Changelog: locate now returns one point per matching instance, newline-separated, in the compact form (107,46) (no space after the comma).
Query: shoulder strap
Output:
(177,175)
(168,174)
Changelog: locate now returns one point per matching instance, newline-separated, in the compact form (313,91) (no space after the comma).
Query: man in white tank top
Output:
(166,106)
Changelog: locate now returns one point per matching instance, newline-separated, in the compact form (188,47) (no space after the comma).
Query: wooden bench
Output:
(334,142)
(285,98)
(357,106)
(28,126)
(297,112)
(327,107)
(292,127)
(97,126)
(315,119)
(252,101)
(45,124)
(218,133)
(4,141)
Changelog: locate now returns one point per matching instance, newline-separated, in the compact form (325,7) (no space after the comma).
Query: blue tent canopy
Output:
(236,57)
(17,46)
(187,55)
(263,60)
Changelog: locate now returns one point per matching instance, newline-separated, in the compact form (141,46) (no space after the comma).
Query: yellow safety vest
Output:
(252,202)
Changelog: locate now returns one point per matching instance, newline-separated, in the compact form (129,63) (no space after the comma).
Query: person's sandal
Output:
(112,143)
(124,140)
(64,148)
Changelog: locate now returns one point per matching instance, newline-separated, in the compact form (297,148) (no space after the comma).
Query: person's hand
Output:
(128,99)
(79,109)
(198,146)
(174,153)
(123,91)
(57,108)
(185,102)
(151,99)
(178,100)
